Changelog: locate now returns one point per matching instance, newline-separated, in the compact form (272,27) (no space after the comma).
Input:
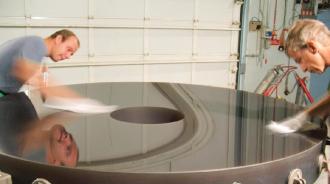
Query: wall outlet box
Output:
(255,25)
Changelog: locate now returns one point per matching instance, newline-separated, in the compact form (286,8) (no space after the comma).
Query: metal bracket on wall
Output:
(242,68)
(239,2)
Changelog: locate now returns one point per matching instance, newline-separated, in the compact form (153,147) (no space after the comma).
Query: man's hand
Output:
(79,105)
(289,125)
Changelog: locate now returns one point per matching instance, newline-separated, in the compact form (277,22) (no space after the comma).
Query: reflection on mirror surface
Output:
(221,128)
(24,135)
(147,115)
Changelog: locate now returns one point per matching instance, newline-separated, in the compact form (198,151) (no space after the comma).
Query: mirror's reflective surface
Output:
(183,128)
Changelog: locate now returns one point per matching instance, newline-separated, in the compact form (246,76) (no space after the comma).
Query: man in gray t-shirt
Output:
(31,48)
(20,59)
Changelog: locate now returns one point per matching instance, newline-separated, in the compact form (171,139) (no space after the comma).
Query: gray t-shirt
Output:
(31,48)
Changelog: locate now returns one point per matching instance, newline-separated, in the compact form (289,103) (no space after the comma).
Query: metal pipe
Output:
(242,45)
(302,84)
(135,62)
(267,80)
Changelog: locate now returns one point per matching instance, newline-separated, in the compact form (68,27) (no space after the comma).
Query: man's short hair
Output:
(65,33)
(304,30)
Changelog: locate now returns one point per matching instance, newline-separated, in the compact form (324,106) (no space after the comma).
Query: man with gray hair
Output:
(308,43)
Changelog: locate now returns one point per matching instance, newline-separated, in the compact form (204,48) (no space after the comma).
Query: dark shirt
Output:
(16,114)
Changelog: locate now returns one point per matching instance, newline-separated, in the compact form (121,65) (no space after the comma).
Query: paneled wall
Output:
(185,41)
(261,55)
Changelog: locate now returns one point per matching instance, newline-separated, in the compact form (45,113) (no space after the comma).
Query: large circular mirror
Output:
(187,132)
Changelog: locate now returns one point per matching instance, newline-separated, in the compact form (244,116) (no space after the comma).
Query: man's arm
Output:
(294,123)
(59,97)
(321,108)
(24,70)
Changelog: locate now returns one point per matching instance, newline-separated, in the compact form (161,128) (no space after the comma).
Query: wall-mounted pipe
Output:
(242,45)
(116,63)
(45,22)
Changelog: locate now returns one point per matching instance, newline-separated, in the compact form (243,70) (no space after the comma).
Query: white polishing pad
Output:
(79,105)
(279,128)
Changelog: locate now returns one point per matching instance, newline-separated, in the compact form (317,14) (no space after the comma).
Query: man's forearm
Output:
(321,108)
(25,71)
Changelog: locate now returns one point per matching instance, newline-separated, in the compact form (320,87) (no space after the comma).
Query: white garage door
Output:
(183,41)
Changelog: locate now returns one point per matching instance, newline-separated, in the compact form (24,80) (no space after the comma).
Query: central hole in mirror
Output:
(147,115)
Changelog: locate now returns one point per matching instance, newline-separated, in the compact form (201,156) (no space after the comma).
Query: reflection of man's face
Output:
(63,149)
